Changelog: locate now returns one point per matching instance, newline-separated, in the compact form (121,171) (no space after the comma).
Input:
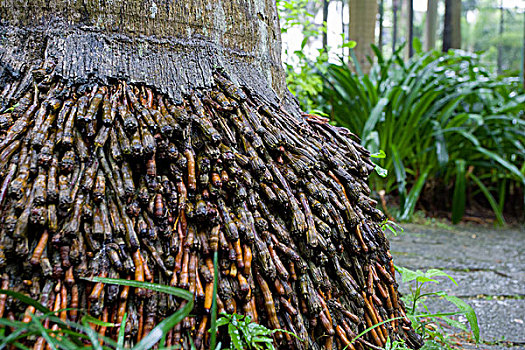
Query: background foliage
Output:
(452,129)
(449,128)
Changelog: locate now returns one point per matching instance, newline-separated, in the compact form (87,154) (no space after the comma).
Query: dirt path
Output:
(489,267)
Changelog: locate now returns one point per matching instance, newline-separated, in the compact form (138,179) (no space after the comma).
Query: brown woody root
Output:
(116,181)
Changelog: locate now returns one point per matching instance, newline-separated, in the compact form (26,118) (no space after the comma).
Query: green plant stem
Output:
(213,328)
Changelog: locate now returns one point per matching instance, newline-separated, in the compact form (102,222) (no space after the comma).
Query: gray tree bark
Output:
(431,25)
(452,27)
(395,8)
(133,39)
(500,45)
(381,24)
(362,30)
(410,26)
(326,3)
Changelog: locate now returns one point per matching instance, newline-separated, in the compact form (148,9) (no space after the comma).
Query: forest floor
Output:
(489,266)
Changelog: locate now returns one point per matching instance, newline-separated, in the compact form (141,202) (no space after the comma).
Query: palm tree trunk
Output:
(132,39)
(431,24)
(362,29)
(183,175)
(326,3)
(452,25)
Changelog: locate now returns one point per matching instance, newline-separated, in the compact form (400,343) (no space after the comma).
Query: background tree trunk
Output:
(326,3)
(410,26)
(381,24)
(132,39)
(362,29)
(395,8)
(452,25)
(523,54)
(500,44)
(431,25)
(405,27)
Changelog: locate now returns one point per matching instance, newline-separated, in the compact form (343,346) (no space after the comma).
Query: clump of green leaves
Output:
(304,80)
(245,334)
(303,74)
(418,312)
(72,335)
(434,336)
(393,227)
(443,119)
(396,345)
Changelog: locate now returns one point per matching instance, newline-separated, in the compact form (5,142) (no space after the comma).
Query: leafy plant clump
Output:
(303,72)
(45,327)
(426,323)
(450,129)
(247,335)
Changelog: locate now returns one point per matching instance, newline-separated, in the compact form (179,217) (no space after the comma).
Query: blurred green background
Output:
(434,88)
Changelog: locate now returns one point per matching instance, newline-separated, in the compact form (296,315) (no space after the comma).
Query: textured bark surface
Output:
(431,25)
(452,26)
(362,30)
(115,182)
(172,45)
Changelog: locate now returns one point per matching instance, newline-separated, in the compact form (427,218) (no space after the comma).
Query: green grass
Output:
(72,335)
(242,332)
(435,337)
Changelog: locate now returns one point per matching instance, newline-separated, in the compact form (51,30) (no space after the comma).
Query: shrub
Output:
(441,118)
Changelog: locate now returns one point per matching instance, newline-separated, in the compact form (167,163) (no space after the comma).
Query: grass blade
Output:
(356,63)
(25,299)
(213,328)
(502,193)
(459,197)
(44,332)
(507,165)
(96,321)
(440,314)
(121,332)
(93,337)
(372,120)
(4,322)
(68,344)
(493,204)
(401,174)
(21,332)
(147,285)
(162,328)
(440,144)
(413,196)
(20,346)
(469,312)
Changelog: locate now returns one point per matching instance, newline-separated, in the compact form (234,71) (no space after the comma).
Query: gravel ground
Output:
(488,265)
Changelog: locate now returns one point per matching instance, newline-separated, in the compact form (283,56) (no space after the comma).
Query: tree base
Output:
(117,181)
